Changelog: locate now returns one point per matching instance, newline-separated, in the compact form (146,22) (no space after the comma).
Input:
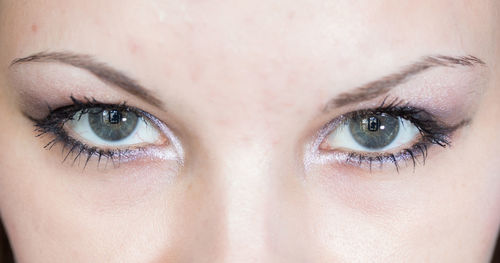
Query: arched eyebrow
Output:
(382,86)
(99,69)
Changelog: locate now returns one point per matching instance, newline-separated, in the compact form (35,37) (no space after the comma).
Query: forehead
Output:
(249,49)
(341,31)
(254,22)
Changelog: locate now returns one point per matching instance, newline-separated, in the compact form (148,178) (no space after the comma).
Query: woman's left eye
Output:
(112,128)
(371,133)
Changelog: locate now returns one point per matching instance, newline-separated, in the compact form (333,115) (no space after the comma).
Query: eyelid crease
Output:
(101,70)
(382,86)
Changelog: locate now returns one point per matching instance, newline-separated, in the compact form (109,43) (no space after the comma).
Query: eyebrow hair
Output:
(99,69)
(382,86)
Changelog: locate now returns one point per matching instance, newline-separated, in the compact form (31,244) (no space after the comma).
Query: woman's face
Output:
(253,131)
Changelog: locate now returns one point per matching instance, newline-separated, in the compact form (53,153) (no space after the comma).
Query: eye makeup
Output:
(432,104)
(55,125)
(437,105)
(432,132)
(51,84)
(52,94)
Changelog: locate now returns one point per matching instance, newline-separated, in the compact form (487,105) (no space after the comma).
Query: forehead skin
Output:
(240,75)
(241,43)
(233,53)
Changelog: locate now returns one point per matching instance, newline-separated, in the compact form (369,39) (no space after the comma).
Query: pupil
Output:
(373,124)
(114,117)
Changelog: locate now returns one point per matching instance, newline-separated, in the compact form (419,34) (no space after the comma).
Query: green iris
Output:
(374,131)
(112,125)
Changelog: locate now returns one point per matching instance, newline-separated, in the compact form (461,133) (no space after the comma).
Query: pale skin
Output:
(243,87)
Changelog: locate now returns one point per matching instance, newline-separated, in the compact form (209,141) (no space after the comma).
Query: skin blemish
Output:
(134,48)
(34,28)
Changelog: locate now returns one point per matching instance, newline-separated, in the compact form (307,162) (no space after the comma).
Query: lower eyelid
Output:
(412,156)
(77,153)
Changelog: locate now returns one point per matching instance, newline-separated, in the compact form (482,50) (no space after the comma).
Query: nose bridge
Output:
(242,147)
(247,184)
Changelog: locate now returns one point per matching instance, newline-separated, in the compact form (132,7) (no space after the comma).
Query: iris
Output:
(112,125)
(374,131)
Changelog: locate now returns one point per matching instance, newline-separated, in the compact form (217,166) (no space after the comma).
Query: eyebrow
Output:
(382,86)
(99,69)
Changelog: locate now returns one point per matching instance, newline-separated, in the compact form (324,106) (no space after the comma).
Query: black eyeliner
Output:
(431,130)
(53,124)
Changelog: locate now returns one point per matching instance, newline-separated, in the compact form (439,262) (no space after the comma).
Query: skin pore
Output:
(244,95)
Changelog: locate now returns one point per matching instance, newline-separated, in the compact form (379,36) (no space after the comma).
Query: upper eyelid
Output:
(370,90)
(78,105)
(429,125)
(434,126)
(54,124)
(382,86)
(101,70)
(395,107)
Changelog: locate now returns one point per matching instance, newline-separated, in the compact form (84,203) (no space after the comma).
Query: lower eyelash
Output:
(78,149)
(432,133)
(53,124)
(419,149)
(412,154)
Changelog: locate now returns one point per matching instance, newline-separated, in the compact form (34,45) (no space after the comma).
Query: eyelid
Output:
(79,127)
(54,122)
(405,131)
(432,130)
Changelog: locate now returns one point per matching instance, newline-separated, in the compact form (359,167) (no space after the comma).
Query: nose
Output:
(249,209)
(248,185)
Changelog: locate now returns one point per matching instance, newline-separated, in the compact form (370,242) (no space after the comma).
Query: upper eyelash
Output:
(432,131)
(53,124)
(428,125)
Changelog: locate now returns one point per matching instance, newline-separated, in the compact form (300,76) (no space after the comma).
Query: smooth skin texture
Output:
(244,85)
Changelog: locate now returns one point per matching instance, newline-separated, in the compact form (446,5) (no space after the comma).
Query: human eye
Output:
(391,133)
(91,129)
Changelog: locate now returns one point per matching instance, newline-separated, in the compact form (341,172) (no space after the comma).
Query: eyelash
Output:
(432,132)
(55,120)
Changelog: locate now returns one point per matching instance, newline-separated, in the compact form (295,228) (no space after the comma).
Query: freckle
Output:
(195,75)
(34,28)
(134,47)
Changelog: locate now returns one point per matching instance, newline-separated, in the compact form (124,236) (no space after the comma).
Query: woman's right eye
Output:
(112,131)
(112,128)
